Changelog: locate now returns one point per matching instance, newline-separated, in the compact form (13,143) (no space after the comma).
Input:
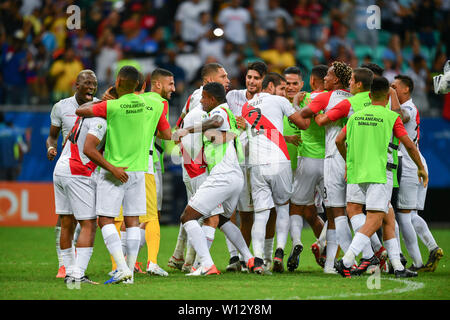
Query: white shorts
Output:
(218,190)
(335,186)
(75,196)
(113,194)
(245,202)
(271,185)
(308,176)
(159,188)
(376,196)
(411,195)
(192,185)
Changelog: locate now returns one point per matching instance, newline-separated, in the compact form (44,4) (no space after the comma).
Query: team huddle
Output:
(271,155)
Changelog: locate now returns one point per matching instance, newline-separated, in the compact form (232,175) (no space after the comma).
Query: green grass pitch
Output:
(28,265)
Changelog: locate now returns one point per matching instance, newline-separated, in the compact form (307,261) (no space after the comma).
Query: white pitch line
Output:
(410,286)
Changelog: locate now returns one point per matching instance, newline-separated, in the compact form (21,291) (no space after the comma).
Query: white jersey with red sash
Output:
(264,114)
(73,162)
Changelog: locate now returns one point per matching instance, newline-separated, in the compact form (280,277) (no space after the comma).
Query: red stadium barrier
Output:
(27,204)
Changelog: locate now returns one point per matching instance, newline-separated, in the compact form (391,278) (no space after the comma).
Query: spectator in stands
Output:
(211,45)
(83,45)
(418,72)
(64,74)
(187,19)
(278,58)
(13,69)
(187,58)
(168,62)
(340,39)
(274,18)
(107,55)
(12,148)
(235,21)
(231,60)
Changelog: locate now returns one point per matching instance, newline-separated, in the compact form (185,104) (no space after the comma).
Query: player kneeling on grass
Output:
(224,183)
(369,134)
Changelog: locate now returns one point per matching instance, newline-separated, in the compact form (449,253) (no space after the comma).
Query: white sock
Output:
(259,232)
(296,226)
(58,248)
(410,238)
(133,242)
(423,231)
(343,232)
(190,254)
(68,259)
(357,222)
(282,225)
(209,234)
(123,240)
(376,243)
(233,233)
(323,236)
(397,235)
(142,242)
(198,241)
(76,234)
(332,247)
(181,243)
(82,260)
(359,242)
(114,246)
(392,248)
(231,248)
(268,249)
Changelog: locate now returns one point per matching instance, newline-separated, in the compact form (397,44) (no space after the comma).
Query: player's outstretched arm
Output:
(90,150)
(87,110)
(340,143)
(415,156)
(395,105)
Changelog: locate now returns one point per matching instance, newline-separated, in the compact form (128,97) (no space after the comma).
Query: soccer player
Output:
(162,87)
(235,100)
(62,119)
(369,134)
(309,174)
(270,171)
(412,194)
(338,231)
(193,168)
(75,187)
(360,84)
(292,134)
(129,114)
(224,182)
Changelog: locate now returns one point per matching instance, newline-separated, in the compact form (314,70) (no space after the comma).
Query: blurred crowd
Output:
(41,54)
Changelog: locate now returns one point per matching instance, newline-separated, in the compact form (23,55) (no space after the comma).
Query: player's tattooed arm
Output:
(395,105)
(211,123)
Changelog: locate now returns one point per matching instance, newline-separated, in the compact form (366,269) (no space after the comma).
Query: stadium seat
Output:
(383,37)
(305,51)
(361,50)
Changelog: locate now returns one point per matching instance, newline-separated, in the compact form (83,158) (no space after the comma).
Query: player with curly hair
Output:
(336,83)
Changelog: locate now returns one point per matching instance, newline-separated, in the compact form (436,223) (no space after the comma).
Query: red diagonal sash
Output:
(260,123)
